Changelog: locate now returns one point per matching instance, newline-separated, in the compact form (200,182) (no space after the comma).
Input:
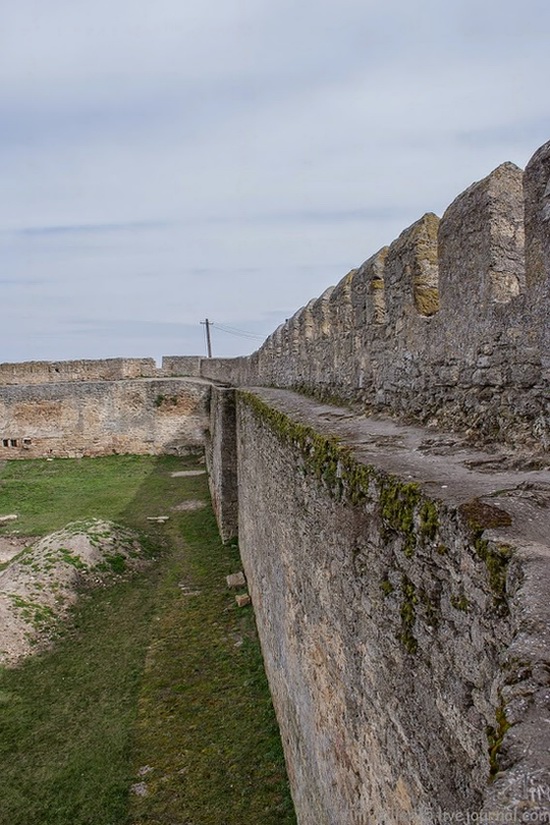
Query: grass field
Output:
(153,705)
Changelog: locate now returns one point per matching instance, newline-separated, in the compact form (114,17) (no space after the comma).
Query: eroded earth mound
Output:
(41,583)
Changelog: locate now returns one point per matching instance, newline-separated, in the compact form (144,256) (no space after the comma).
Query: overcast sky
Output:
(164,161)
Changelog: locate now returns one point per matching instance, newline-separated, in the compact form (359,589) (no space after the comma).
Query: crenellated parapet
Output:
(448,325)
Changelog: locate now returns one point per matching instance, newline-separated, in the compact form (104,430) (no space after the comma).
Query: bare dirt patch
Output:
(191,504)
(43,581)
(10,546)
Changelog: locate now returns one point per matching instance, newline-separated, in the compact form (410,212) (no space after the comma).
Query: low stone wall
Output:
(45,372)
(398,583)
(144,416)
(107,369)
(181,365)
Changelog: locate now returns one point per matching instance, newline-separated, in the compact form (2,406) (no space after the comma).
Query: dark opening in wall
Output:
(14,442)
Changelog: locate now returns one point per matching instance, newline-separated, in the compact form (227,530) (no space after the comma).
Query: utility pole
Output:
(208,342)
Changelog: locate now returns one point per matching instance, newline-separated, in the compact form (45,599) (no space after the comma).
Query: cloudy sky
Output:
(163,162)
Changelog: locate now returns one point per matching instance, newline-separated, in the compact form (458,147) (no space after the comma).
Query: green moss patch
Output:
(482,516)
(495,737)
(404,511)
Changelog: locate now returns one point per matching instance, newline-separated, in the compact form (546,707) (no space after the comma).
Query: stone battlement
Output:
(447,326)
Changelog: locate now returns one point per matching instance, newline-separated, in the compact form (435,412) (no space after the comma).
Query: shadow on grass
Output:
(157,682)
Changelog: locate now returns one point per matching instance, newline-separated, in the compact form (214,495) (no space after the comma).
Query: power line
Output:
(240,333)
(233,331)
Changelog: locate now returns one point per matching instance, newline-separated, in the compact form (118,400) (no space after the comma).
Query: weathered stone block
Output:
(537,218)
(411,272)
(236,579)
(181,365)
(481,246)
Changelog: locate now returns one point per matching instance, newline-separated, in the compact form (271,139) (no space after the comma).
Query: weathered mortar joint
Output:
(408,615)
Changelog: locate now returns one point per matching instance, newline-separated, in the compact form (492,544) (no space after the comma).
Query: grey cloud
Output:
(23,282)
(229,159)
(507,133)
(86,229)
(123,328)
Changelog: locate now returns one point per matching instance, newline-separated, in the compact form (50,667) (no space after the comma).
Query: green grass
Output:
(145,674)
(66,723)
(46,495)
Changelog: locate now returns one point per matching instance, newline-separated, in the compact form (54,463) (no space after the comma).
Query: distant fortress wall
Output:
(106,369)
(72,419)
(55,372)
(98,407)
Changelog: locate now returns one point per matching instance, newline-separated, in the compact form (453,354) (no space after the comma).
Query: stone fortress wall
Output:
(400,596)
(400,586)
(399,574)
(75,408)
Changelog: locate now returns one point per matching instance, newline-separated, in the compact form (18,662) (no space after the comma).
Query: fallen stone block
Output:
(236,579)
(243,600)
